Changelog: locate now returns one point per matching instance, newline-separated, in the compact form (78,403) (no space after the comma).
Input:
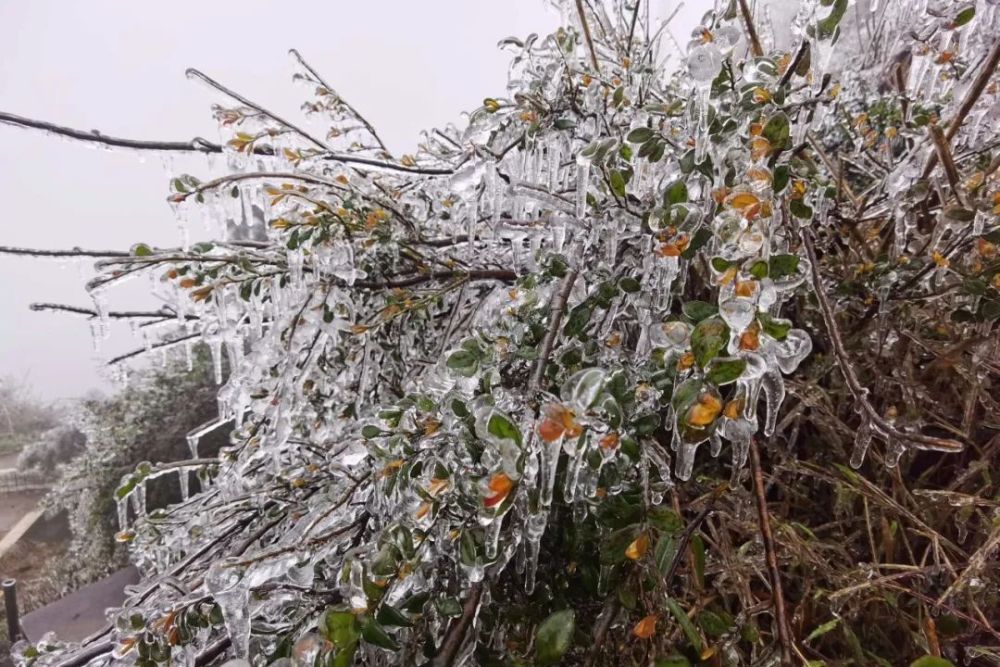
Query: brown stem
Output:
(799,55)
(481,274)
(943,152)
(977,88)
(777,596)
(586,34)
(455,635)
(858,391)
(755,47)
(555,319)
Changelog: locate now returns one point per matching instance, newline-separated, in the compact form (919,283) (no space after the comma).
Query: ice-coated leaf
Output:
(554,636)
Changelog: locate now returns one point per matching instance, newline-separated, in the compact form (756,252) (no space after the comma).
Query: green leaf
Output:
(141,250)
(709,337)
(502,427)
(672,660)
(676,192)
(373,633)
(714,625)
(389,615)
(799,209)
(724,370)
(775,328)
(777,130)
(720,264)
(698,556)
(666,549)
(782,175)
(783,265)
(682,619)
(340,628)
(449,607)
(959,213)
(759,269)
(696,311)
(578,319)
(639,135)
(629,284)
(554,635)
(370,431)
(463,362)
(931,661)
(665,519)
(617,182)
(179,185)
(564,123)
(828,25)
(823,629)
(964,17)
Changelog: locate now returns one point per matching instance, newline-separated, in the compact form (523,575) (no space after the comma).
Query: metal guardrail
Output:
(13,480)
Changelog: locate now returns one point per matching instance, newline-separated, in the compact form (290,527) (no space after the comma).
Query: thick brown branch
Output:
(586,35)
(455,636)
(755,47)
(943,151)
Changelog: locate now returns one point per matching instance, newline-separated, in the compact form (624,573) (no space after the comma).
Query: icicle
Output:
(862,440)
(582,179)
(183,477)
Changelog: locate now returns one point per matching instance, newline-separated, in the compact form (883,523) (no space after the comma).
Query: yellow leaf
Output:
(638,548)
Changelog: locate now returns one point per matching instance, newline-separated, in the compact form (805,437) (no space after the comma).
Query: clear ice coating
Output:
(376,322)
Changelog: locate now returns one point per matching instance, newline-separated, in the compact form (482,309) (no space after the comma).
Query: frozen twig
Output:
(777,596)
(558,307)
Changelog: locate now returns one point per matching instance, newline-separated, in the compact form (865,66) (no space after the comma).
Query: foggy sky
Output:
(118,66)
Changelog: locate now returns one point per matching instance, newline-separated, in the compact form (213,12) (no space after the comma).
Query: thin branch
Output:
(480,274)
(301,176)
(361,119)
(157,346)
(558,306)
(586,34)
(975,90)
(835,171)
(455,636)
(755,47)
(792,66)
(943,152)
(858,391)
(192,72)
(114,314)
(777,596)
(75,252)
(197,145)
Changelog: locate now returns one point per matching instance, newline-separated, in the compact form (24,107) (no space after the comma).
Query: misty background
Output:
(119,67)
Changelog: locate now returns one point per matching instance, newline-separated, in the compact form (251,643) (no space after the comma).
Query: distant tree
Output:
(474,388)
(144,424)
(23,415)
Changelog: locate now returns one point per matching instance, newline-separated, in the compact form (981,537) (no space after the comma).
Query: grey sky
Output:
(119,67)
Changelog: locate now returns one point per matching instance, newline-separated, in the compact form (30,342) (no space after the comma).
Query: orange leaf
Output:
(645,628)
(500,484)
(638,548)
